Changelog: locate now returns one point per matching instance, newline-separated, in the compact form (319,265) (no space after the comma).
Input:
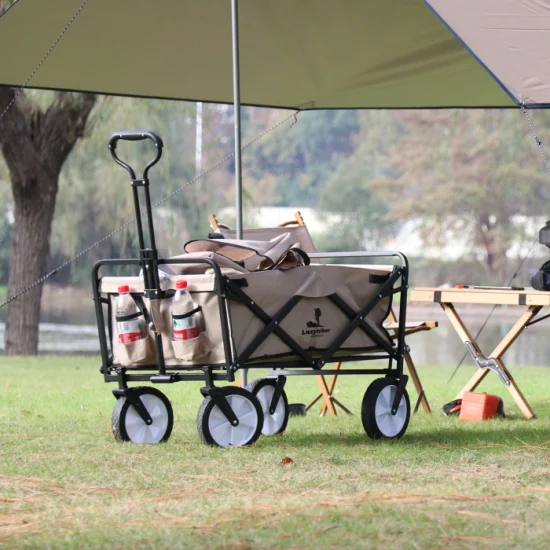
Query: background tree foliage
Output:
(300,161)
(363,216)
(467,174)
(92,174)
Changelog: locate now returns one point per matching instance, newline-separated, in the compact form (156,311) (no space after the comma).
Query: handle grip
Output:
(135,136)
(139,135)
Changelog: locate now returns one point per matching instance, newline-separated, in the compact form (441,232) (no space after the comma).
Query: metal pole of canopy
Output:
(237,114)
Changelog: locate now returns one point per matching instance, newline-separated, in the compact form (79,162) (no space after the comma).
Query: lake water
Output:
(58,338)
(440,346)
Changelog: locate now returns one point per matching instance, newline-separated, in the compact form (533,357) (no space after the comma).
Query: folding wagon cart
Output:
(260,304)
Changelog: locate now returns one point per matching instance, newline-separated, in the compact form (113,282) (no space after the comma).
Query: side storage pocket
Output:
(195,348)
(138,352)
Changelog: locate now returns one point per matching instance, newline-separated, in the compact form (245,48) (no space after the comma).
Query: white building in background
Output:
(452,246)
(271,216)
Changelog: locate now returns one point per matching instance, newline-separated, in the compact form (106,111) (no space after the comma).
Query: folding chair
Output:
(301,234)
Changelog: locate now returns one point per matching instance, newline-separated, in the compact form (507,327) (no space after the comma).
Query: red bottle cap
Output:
(124,288)
(181,284)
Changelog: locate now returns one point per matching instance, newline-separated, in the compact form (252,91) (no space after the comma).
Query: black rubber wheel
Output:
(215,429)
(376,415)
(263,389)
(129,426)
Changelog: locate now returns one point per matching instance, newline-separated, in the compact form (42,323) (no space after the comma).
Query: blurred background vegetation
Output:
(469,184)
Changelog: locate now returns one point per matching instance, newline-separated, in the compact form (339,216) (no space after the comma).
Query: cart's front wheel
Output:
(128,425)
(263,389)
(376,414)
(215,429)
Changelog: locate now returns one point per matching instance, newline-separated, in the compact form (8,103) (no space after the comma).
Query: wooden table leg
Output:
(327,397)
(331,384)
(514,332)
(327,394)
(417,383)
(465,336)
(516,394)
(497,353)
(345,409)
(314,401)
(414,375)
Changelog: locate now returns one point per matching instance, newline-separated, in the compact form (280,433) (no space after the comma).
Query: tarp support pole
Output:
(237,114)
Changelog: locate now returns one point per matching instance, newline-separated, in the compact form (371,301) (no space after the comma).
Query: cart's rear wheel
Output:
(129,426)
(215,429)
(376,414)
(263,389)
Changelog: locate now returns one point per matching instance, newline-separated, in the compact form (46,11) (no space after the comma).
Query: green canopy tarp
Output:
(293,53)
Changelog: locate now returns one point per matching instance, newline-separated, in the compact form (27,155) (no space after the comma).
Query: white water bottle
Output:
(184,314)
(129,319)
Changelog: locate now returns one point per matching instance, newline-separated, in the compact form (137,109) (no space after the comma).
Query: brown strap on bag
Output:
(277,253)
(293,257)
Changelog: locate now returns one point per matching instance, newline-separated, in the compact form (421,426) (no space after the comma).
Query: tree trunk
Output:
(33,223)
(35,144)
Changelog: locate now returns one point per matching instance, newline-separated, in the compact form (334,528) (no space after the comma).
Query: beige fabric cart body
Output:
(311,286)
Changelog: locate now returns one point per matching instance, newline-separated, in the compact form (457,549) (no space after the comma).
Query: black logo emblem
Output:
(317,314)
(315,328)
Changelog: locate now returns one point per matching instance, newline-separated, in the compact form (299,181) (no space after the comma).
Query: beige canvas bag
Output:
(280,252)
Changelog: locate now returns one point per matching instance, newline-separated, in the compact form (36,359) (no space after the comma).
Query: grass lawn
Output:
(66,483)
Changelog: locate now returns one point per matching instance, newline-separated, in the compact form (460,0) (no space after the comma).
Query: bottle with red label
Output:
(129,319)
(184,314)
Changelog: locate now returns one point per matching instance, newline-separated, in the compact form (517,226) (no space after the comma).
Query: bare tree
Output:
(35,142)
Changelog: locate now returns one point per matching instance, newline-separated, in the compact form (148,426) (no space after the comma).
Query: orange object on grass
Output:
(479,406)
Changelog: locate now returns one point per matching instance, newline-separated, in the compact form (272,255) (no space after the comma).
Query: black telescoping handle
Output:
(138,135)
(148,256)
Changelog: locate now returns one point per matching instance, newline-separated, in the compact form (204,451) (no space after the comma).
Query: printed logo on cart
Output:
(315,328)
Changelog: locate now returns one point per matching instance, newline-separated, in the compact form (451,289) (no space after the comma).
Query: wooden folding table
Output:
(447,297)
